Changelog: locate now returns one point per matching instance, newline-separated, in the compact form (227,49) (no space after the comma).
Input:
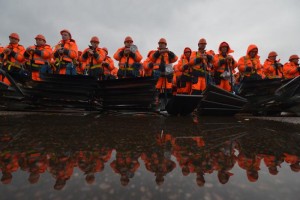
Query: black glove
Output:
(85,55)
(185,67)
(222,62)
(209,58)
(298,68)
(150,65)
(105,64)
(156,54)
(66,51)
(197,60)
(38,52)
(171,55)
(13,54)
(162,67)
(132,55)
(121,54)
(248,69)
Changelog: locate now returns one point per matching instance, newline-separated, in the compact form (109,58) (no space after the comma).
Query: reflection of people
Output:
(251,164)
(158,158)
(125,164)
(61,167)
(91,162)
(272,162)
(293,160)
(8,164)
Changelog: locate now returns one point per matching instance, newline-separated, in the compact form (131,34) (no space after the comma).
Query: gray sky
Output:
(273,25)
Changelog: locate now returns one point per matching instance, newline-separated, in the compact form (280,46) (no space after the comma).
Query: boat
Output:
(61,92)
(213,101)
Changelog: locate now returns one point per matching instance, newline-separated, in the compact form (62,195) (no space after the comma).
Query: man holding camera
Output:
(129,59)
(65,53)
(93,56)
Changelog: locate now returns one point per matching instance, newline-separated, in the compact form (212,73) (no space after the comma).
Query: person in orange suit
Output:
(183,77)
(129,59)
(12,56)
(93,57)
(108,66)
(79,65)
(38,58)
(291,69)
(148,64)
(224,65)
(2,77)
(201,65)
(65,52)
(272,68)
(161,59)
(249,66)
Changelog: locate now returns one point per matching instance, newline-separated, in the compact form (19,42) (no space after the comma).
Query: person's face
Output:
(272,58)
(94,44)
(296,61)
(187,54)
(162,45)
(224,50)
(39,42)
(13,40)
(65,36)
(253,53)
(201,46)
(128,43)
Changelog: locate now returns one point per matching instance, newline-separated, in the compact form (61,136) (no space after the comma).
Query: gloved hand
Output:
(150,65)
(197,60)
(222,62)
(105,64)
(248,69)
(209,58)
(162,67)
(298,68)
(185,67)
(156,54)
(121,54)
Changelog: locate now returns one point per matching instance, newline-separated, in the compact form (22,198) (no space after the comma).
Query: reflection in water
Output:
(60,144)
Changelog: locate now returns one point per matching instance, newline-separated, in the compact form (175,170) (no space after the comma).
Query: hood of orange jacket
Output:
(225,44)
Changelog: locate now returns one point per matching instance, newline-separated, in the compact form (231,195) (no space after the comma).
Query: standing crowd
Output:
(190,75)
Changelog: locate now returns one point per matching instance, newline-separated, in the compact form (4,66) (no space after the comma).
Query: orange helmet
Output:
(272,54)
(95,39)
(40,36)
(128,39)
(105,49)
(67,31)
(14,35)
(162,40)
(202,41)
(293,57)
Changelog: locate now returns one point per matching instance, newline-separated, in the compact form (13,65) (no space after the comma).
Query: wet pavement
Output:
(147,156)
